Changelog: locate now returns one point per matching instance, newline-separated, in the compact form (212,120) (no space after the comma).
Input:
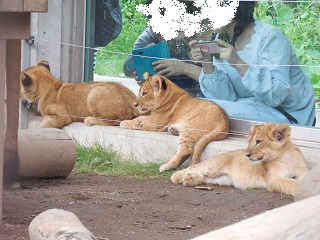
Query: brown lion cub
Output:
(60,103)
(270,161)
(196,121)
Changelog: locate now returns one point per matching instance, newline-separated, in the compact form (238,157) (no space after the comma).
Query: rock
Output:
(58,224)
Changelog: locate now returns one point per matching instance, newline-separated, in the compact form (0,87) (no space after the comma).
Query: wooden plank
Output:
(2,114)
(77,71)
(14,25)
(11,6)
(24,6)
(72,60)
(13,69)
(35,6)
(50,28)
(67,59)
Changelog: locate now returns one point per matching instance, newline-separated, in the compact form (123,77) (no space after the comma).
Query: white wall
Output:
(63,23)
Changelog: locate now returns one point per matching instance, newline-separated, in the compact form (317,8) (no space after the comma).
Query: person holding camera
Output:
(256,75)
(177,68)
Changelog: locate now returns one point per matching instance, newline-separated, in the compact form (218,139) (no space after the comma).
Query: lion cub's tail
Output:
(217,134)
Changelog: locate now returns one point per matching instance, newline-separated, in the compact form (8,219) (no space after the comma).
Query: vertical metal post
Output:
(89,39)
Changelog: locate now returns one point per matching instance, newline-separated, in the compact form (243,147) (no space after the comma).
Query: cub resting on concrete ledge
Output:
(61,103)
(270,161)
(196,121)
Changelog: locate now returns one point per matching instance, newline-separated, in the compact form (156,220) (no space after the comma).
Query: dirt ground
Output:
(119,208)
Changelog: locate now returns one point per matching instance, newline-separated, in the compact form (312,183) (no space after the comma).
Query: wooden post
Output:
(2,114)
(15,25)
(13,68)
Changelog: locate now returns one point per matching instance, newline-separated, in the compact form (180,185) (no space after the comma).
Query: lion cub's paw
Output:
(173,130)
(166,167)
(89,121)
(177,177)
(126,124)
(192,179)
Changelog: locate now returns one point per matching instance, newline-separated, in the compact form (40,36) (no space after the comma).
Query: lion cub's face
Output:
(150,94)
(266,141)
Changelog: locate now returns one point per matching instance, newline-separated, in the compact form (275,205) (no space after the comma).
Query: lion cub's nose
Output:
(248,154)
(135,104)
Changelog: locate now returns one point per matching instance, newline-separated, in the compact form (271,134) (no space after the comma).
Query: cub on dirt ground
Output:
(60,103)
(169,108)
(270,161)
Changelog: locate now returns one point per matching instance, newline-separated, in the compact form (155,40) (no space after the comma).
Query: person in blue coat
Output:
(257,75)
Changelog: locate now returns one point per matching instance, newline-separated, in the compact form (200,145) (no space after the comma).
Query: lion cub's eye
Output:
(143,94)
(258,142)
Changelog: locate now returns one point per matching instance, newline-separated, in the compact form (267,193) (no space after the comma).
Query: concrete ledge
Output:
(157,146)
(140,145)
(300,220)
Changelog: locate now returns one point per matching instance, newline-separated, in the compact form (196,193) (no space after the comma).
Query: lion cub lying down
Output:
(271,161)
(61,103)
(169,108)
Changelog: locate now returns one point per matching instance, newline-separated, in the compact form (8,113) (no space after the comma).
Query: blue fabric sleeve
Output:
(269,80)
(217,85)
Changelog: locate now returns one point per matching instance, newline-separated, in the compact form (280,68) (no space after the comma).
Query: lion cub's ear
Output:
(146,76)
(26,80)
(159,83)
(45,64)
(280,132)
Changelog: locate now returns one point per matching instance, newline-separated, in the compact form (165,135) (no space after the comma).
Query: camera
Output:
(212,47)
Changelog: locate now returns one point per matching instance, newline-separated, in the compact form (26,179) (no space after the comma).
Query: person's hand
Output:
(228,52)
(198,54)
(135,77)
(169,67)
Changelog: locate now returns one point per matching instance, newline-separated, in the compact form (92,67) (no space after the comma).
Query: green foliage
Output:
(300,22)
(111,58)
(99,160)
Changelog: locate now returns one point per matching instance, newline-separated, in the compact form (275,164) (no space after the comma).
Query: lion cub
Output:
(169,108)
(270,161)
(60,103)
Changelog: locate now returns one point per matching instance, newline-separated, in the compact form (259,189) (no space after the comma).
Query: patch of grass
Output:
(111,65)
(284,196)
(110,59)
(103,161)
